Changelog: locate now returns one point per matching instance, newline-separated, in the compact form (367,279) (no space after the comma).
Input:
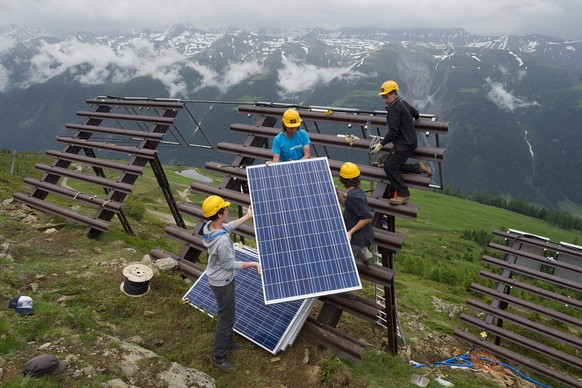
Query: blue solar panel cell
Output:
(273,327)
(301,236)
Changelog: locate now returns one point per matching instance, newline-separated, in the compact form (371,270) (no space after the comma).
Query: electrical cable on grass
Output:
(468,361)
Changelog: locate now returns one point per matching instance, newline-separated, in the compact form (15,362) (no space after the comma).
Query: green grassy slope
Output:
(437,261)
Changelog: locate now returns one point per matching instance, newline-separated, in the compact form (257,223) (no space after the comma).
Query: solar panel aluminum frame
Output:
(200,296)
(302,241)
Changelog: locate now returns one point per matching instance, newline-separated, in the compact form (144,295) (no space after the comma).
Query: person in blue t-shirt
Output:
(292,143)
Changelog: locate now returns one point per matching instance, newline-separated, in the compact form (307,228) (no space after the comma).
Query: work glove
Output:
(376,148)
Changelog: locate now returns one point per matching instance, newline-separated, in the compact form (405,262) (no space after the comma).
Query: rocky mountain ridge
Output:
(512,102)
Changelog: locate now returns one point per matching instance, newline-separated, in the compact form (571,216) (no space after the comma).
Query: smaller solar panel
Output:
(272,327)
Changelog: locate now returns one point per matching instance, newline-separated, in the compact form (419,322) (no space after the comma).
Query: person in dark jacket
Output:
(357,216)
(401,133)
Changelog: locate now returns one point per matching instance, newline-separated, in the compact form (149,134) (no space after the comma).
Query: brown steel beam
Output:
(377,174)
(344,117)
(330,337)
(127,117)
(526,342)
(160,175)
(377,204)
(75,195)
(96,162)
(527,305)
(566,300)
(576,286)
(511,356)
(144,153)
(367,172)
(146,103)
(62,212)
(536,242)
(526,323)
(358,307)
(383,238)
(111,184)
(540,259)
(116,132)
(362,145)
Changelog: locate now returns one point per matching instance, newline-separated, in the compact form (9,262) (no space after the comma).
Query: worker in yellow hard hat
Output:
(400,118)
(292,143)
(220,271)
(357,214)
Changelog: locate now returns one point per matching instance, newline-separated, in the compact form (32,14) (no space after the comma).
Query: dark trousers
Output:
(226,313)
(395,166)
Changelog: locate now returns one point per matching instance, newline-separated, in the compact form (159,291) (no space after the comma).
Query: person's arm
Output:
(306,152)
(340,197)
(252,264)
(276,149)
(358,226)
(394,124)
(245,218)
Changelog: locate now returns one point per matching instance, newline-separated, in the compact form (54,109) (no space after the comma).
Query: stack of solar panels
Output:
(301,236)
(272,327)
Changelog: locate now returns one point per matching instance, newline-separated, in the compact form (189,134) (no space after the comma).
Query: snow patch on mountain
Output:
(226,57)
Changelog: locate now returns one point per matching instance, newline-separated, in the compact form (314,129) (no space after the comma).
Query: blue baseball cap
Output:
(22,305)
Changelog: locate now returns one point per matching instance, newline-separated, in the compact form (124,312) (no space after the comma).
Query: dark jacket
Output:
(401,132)
(356,208)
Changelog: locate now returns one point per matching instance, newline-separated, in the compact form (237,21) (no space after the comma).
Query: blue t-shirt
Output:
(290,148)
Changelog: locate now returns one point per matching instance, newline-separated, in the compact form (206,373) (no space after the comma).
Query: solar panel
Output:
(300,232)
(272,327)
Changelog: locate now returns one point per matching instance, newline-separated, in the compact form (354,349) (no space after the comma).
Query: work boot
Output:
(223,364)
(399,200)
(425,168)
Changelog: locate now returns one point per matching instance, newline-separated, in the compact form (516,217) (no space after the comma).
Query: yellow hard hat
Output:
(388,87)
(213,204)
(291,118)
(349,170)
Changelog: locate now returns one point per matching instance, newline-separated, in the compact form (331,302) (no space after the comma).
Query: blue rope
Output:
(464,361)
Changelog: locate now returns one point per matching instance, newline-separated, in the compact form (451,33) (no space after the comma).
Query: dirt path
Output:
(184,194)
(78,168)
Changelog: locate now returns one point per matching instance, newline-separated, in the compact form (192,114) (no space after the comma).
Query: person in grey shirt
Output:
(220,271)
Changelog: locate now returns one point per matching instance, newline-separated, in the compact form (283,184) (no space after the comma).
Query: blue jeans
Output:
(226,313)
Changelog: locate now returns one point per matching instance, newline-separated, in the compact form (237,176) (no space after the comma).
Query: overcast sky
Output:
(559,18)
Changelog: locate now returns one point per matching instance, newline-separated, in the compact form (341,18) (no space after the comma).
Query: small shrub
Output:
(134,208)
